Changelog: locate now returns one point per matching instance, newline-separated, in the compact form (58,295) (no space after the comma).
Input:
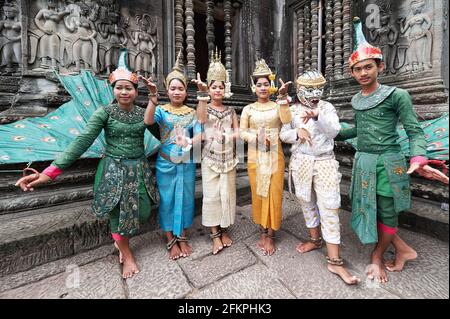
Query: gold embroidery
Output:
(183,110)
(399,171)
(263,107)
(364,184)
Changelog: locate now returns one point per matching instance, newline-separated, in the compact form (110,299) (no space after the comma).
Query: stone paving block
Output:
(97,280)
(208,270)
(201,242)
(306,276)
(159,277)
(426,277)
(148,243)
(255,282)
(53,268)
(290,207)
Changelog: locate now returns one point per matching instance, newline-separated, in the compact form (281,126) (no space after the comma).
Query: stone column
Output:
(314,33)
(190,39)
(228,50)
(338,60)
(300,41)
(179,27)
(210,37)
(307,38)
(346,30)
(329,73)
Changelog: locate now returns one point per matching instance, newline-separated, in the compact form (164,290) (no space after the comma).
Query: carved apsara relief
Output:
(10,38)
(405,37)
(70,35)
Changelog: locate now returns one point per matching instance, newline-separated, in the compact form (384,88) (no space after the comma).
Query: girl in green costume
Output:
(124,189)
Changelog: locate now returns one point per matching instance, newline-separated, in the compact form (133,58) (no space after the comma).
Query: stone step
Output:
(37,236)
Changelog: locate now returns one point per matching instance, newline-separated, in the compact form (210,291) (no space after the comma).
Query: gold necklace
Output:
(268,106)
(177,110)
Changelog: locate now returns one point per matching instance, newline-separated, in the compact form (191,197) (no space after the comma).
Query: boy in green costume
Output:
(380,187)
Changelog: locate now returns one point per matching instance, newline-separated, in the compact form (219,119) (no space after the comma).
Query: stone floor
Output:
(241,271)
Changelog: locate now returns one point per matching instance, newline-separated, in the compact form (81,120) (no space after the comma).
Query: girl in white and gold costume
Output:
(314,170)
(260,126)
(219,160)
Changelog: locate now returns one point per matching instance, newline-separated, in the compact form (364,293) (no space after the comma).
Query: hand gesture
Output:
(262,137)
(309,114)
(180,138)
(304,136)
(27,183)
(428,172)
(284,87)
(218,132)
(150,85)
(202,86)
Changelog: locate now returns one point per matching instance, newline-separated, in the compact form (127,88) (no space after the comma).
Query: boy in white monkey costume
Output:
(314,169)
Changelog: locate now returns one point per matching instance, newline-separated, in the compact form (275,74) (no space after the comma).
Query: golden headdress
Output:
(218,72)
(263,70)
(177,73)
(311,79)
(123,72)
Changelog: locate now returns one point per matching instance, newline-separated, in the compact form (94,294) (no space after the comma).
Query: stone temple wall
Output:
(42,36)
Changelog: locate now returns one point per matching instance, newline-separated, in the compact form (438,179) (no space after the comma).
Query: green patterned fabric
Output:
(376,127)
(123,135)
(45,138)
(380,166)
(362,103)
(363,197)
(436,135)
(118,187)
(366,181)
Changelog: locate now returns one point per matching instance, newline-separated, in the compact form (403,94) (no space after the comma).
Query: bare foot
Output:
(307,247)
(129,267)
(376,270)
(269,246)
(175,252)
(261,242)
(342,272)
(120,253)
(226,240)
(217,245)
(401,257)
(186,249)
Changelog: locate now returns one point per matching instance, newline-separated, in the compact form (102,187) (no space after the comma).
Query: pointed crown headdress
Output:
(263,70)
(218,72)
(177,73)
(362,49)
(123,72)
(311,79)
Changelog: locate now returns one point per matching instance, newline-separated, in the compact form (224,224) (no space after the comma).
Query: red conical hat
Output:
(122,72)
(362,49)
